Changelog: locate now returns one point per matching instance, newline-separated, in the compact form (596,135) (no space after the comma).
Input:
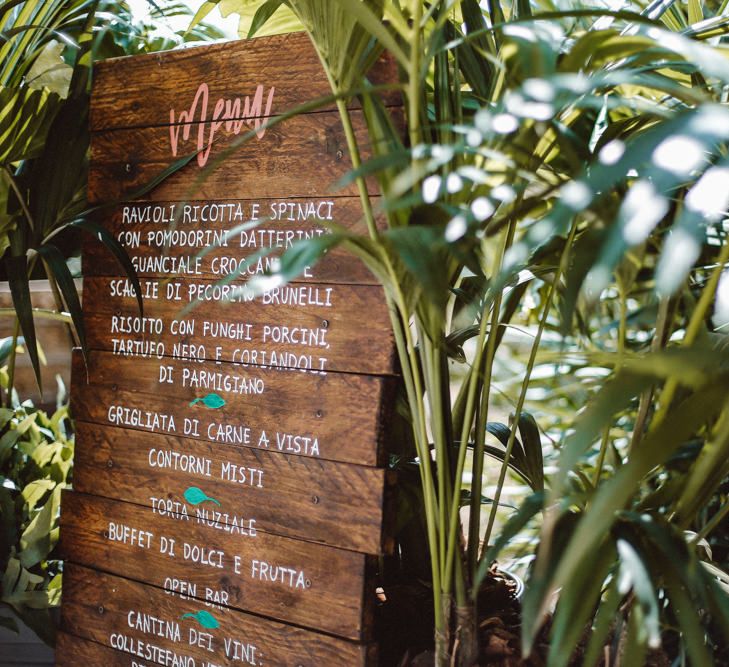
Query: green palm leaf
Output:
(20,290)
(58,271)
(25,116)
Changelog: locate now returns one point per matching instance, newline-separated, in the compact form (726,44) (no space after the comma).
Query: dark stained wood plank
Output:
(165,238)
(129,92)
(337,504)
(337,416)
(73,651)
(315,328)
(190,552)
(147,622)
(303,156)
(291,509)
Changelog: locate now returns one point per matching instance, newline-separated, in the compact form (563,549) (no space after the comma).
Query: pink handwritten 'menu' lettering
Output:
(225,112)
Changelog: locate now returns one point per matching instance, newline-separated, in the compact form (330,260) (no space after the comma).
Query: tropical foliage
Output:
(563,188)
(554,249)
(36,461)
(44,148)
(46,57)
(46,53)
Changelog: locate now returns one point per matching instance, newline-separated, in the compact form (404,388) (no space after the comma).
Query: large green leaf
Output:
(478,68)
(255,17)
(661,156)
(20,290)
(424,251)
(55,186)
(300,256)
(612,495)
(603,622)
(526,455)
(112,244)
(50,70)
(57,266)
(635,576)
(344,33)
(577,603)
(263,15)
(687,585)
(24,45)
(529,508)
(40,537)
(25,120)
(705,476)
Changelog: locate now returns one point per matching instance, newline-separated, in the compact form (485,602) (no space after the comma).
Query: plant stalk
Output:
(11,362)
(525,384)
(604,442)
(414,127)
(646,399)
(61,306)
(693,329)
(482,418)
(711,524)
(622,338)
(356,158)
(431,364)
(19,196)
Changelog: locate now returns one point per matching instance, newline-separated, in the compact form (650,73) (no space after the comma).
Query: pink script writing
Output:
(225,112)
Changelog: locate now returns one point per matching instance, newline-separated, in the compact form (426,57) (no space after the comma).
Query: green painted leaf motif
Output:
(207,620)
(212,401)
(196,496)
(204,618)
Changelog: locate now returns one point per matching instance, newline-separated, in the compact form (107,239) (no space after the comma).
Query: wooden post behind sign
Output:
(230,497)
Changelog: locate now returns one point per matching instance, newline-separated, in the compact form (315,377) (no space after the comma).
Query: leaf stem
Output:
(11,362)
(60,306)
(622,328)
(525,384)
(659,341)
(21,200)
(622,339)
(356,159)
(714,522)
(693,329)
(604,442)
(482,420)
(431,367)
(13,352)
(414,127)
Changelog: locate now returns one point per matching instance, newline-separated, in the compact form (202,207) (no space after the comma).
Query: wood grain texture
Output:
(307,327)
(129,92)
(303,156)
(159,249)
(190,553)
(333,503)
(278,523)
(73,651)
(106,609)
(341,415)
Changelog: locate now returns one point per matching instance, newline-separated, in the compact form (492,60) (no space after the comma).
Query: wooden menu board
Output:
(230,492)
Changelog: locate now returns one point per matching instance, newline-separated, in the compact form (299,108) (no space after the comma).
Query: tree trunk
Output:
(466,636)
(443,635)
